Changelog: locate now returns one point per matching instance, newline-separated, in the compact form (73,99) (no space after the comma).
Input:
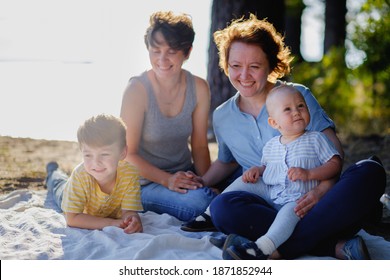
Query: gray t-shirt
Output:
(164,140)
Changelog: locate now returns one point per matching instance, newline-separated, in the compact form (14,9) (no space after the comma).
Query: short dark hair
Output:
(176,29)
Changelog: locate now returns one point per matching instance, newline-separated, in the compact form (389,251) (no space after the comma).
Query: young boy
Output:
(104,189)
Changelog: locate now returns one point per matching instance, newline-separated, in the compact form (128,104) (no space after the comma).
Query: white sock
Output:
(251,252)
(265,245)
(200,218)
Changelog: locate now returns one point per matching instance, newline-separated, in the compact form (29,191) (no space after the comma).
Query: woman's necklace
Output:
(166,97)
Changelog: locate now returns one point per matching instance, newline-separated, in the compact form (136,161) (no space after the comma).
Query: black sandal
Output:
(198,226)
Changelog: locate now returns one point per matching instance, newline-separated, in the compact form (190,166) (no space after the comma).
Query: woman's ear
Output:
(189,53)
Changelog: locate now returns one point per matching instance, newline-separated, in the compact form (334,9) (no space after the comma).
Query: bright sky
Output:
(62,61)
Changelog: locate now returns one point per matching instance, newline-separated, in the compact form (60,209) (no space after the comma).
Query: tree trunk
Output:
(335,24)
(222,13)
(294,9)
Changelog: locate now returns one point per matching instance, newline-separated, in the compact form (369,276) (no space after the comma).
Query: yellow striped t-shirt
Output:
(82,193)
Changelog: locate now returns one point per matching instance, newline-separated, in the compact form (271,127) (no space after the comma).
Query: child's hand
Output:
(132,224)
(297,173)
(251,175)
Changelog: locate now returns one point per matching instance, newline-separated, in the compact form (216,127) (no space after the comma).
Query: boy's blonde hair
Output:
(102,130)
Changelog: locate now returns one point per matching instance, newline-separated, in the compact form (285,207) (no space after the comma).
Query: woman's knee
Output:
(185,207)
(242,213)
(194,203)
(220,209)
(223,203)
(366,177)
(199,199)
(229,210)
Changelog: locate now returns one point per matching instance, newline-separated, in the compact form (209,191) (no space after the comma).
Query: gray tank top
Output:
(164,140)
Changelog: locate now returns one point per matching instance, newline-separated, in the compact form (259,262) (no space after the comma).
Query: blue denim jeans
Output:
(185,207)
(55,183)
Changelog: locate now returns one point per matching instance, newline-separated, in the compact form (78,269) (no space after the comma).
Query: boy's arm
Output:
(86,221)
(130,222)
(328,170)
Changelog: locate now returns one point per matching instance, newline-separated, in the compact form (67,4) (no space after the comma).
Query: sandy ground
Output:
(23,161)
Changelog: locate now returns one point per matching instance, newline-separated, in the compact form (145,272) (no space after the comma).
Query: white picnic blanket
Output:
(31,228)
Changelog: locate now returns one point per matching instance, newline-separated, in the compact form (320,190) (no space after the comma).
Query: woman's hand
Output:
(306,203)
(182,181)
(310,199)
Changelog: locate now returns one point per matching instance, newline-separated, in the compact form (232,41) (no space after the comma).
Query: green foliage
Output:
(371,34)
(294,7)
(349,96)
(328,81)
(358,100)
